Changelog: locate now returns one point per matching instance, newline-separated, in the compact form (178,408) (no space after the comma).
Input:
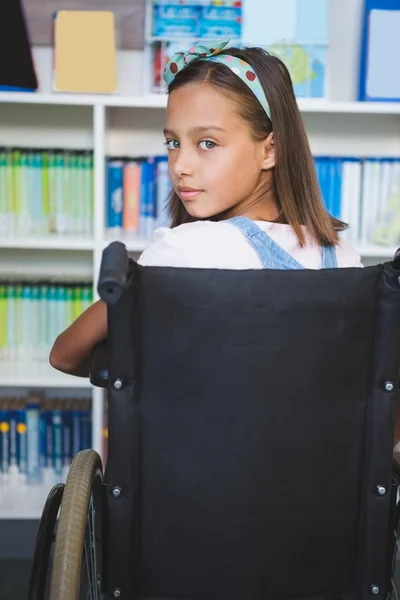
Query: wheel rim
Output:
(90,588)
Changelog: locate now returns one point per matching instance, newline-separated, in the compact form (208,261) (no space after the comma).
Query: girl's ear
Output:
(268,161)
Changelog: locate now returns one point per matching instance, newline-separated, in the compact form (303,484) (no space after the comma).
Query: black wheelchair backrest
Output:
(250,431)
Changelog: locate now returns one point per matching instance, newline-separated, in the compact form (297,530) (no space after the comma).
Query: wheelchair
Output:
(250,457)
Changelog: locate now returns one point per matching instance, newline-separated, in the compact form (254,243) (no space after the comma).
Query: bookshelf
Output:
(132,124)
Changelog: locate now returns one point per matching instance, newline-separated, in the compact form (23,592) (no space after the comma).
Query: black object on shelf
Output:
(17,70)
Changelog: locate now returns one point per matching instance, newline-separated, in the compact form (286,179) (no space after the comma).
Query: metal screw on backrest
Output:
(118,384)
(380,490)
(398,280)
(116,492)
(117,593)
(375,590)
(389,386)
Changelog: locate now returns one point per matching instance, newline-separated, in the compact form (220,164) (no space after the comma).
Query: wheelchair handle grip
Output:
(113,272)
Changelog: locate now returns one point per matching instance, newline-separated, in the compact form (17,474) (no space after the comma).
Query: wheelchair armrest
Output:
(99,366)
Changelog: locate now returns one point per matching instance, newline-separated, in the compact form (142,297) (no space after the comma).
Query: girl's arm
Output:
(73,349)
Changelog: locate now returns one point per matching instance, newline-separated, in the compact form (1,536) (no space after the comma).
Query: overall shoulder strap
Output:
(329,257)
(270,254)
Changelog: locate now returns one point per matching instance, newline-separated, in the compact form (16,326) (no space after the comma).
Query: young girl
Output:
(244,189)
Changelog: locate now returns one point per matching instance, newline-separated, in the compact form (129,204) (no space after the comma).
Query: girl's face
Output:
(214,164)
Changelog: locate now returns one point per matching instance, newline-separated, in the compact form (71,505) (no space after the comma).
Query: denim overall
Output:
(271,255)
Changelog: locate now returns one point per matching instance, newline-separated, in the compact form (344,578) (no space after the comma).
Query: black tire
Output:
(79,529)
(44,540)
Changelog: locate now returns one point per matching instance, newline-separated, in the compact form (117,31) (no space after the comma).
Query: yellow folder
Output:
(84,52)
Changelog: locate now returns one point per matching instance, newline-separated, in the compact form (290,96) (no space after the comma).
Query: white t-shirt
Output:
(220,245)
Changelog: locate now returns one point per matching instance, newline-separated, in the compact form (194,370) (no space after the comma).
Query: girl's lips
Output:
(189,194)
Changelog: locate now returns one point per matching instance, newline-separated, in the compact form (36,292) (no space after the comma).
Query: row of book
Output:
(46,191)
(364,193)
(33,313)
(39,436)
(51,191)
(137,194)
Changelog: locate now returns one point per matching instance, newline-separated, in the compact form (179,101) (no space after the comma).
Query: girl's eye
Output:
(172,144)
(208,145)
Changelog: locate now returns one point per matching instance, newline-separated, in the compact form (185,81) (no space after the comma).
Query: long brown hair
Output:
(297,190)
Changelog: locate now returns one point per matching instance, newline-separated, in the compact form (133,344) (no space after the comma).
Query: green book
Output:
(3,193)
(3,320)
(37,201)
(9,190)
(26,192)
(69,305)
(60,193)
(87,297)
(35,301)
(61,309)
(16,183)
(52,190)
(25,333)
(45,192)
(77,306)
(88,192)
(11,321)
(67,191)
(77,199)
(43,324)
(51,316)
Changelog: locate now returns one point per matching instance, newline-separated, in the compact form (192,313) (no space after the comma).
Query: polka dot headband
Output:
(201,51)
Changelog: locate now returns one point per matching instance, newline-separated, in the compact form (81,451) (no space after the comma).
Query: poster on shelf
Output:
(295,30)
(379,52)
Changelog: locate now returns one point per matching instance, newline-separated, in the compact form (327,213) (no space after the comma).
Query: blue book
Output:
(43,440)
(33,433)
(4,440)
(67,437)
(76,432)
(57,443)
(323,172)
(115,196)
(22,448)
(13,415)
(86,430)
(151,199)
(337,193)
(144,198)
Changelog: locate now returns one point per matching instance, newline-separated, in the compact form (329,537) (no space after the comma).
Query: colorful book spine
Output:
(33,313)
(365,193)
(143,185)
(131,195)
(115,179)
(40,435)
(45,191)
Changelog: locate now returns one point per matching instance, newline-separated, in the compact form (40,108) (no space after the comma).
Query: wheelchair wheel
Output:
(395,581)
(44,540)
(77,564)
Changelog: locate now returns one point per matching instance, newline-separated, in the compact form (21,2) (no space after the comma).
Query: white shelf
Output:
(22,501)
(159,101)
(377,252)
(48,242)
(24,374)
(38,98)
(148,101)
(132,242)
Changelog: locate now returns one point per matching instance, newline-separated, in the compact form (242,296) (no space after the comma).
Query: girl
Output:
(244,189)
